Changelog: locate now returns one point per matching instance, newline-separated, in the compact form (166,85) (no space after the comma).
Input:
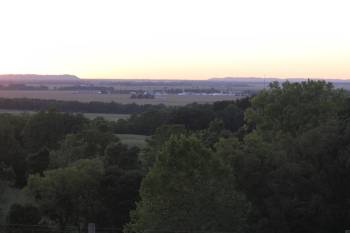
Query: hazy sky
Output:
(176,39)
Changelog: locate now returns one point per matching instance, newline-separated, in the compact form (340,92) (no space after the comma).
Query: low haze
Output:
(176,39)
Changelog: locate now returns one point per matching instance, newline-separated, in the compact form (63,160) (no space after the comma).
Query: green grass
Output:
(133,139)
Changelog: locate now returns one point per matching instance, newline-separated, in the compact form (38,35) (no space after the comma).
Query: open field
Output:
(87,96)
(91,116)
(133,139)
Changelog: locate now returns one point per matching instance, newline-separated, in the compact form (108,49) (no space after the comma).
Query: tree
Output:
(87,144)
(47,128)
(232,117)
(295,107)
(11,151)
(68,196)
(257,165)
(193,116)
(323,193)
(156,141)
(119,190)
(147,122)
(294,167)
(23,215)
(38,162)
(187,189)
(213,133)
(121,155)
(295,185)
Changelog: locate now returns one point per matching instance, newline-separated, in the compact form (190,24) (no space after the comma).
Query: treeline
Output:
(144,119)
(74,106)
(192,117)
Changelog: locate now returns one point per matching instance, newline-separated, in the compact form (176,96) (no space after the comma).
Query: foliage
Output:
(89,143)
(120,155)
(38,162)
(278,162)
(74,106)
(192,117)
(188,189)
(68,195)
(11,152)
(156,141)
(47,128)
(23,215)
(118,191)
(295,107)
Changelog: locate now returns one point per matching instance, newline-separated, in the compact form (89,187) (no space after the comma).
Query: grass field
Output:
(87,96)
(133,139)
(91,116)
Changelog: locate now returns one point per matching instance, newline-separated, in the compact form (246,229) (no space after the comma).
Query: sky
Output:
(177,39)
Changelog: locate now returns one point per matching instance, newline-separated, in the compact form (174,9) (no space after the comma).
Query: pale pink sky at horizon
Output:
(183,39)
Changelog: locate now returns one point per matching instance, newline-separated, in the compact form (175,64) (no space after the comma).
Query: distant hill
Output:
(37,77)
